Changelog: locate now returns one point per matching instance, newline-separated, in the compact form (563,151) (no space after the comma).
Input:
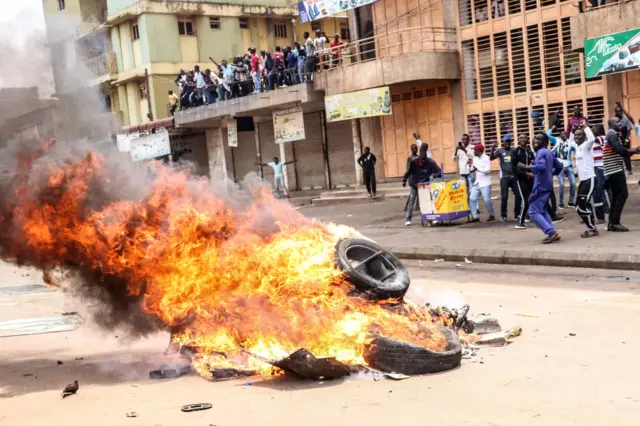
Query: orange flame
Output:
(218,277)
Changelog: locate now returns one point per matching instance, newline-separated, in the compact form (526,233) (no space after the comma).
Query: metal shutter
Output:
(244,156)
(310,161)
(340,146)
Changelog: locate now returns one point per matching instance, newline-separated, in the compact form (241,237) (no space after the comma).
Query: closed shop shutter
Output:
(244,155)
(340,145)
(310,161)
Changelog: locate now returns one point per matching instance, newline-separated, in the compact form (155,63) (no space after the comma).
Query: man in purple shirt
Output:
(576,119)
(545,166)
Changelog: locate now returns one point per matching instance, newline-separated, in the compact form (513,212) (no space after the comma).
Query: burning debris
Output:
(240,279)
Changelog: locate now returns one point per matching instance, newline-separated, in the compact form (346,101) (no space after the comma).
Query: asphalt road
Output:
(547,376)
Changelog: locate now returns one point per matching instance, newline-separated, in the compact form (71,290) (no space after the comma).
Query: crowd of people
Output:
(582,149)
(256,72)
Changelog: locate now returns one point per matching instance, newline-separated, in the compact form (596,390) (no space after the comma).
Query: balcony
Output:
(102,68)
(409,54)
(614,17)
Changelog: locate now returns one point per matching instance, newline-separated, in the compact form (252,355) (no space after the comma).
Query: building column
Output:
(219,155)
(357,149)
(283,159)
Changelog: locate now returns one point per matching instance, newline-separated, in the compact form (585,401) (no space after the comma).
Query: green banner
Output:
(612,53)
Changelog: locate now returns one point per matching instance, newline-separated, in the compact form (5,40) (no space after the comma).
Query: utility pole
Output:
(146,82)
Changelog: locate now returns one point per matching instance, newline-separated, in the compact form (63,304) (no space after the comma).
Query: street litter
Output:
(70,389)
(528,315)
(467,260)
(132,414)
(60,362)
(169,372)
(195,407)
(497,339)
(438,260)
(572,334)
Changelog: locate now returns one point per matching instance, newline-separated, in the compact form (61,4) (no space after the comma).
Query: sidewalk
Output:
(492,242)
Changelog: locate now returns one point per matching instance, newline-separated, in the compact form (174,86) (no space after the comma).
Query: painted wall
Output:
(126,46)
(123,105)
(137,53)
(160,85)
(160,39)
(117,48)
(223,43)
(189,49)
(133,102)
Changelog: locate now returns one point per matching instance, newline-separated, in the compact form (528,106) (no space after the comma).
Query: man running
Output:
(544,168)
(507,179)
(368,163)
(522,155)
(584,140)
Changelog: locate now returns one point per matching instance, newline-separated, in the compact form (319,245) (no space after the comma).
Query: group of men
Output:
(582,148)
(254,73)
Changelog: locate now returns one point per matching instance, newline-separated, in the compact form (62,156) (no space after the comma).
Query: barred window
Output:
(551,54)
(469,70)
(517,61)
(501,54)
(514,7)
(595,110)
(535,61)
(522,121)
(506,123)
(473,126)
(489,132)
(486,67)
(571,59)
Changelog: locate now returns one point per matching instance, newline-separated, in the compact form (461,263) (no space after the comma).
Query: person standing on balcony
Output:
(200,82)
(544,167)
(210,85)
(278,67)
(368,163)
(255,70)
(173,102)
(300,56)
(310,63)
(320,44)
(336,51)
(225,90)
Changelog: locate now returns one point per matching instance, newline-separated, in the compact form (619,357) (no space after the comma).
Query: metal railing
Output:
(102,65)
(391,43)
(588,5)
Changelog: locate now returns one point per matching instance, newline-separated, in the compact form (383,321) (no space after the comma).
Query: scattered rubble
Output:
(70,389)
(132,414)
(169,372)
(195,407)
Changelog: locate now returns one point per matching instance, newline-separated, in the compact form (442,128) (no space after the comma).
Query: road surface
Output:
(545,377)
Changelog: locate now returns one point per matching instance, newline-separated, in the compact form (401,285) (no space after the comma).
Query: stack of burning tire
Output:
(378,275)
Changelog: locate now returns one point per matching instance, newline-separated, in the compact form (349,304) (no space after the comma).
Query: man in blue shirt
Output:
(544,168)
(563,148)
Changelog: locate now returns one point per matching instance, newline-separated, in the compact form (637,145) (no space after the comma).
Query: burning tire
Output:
(374,271)
(391,355)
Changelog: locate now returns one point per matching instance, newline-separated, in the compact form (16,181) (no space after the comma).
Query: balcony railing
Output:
(588,5)
(392,43)
(102,65)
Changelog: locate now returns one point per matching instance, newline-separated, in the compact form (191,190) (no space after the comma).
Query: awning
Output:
(145,127)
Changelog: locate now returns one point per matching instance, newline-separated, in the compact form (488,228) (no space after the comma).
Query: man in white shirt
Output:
(200,82)
(481,165)
(419,144)
(584,140)
(319,44)
(462,154)
(278,175)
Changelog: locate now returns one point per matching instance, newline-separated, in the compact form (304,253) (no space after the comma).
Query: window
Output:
(316,25)
(522,121)
(473,128)
(535,65)
(469,70)
(346,36)
(551,53)
(60,4)
(186,26)
(135,33)
(514,7)
(464,9)
(517,61)
(486,68)
(501,54)
(244,23)
(280,30)
(489,133)
(143,90)
(506,123)
(555,108)
(214,23)
(595,110)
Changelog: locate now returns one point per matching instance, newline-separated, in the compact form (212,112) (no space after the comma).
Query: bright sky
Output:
(9,9)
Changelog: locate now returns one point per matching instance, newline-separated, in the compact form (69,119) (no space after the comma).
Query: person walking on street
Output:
(524,179)
(481,165)
(278,175)
(508,179)
(421,170)
(368,163)
(414,154)
(563,150)
(584,140)
(626,126)
(544,167)
(615,179)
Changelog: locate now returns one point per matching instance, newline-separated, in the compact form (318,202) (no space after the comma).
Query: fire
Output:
(261,276)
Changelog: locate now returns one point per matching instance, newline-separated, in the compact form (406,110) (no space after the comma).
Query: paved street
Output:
(545,377)
(494,242)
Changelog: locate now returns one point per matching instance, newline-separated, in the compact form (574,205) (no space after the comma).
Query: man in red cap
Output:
(481,165)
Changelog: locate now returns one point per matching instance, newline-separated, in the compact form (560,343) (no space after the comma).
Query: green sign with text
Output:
(612,53)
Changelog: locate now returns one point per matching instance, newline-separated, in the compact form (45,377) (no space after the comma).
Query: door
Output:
(632,95)
(426,111)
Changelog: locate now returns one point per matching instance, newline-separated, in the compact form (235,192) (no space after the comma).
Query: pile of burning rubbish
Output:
(246,284)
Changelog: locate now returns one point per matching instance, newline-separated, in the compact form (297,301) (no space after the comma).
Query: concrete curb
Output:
(521,257)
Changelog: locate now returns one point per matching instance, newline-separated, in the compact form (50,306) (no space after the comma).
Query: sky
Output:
(9,9)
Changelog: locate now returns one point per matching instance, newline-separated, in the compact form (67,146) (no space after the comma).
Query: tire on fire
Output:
(374,271)
(395,356)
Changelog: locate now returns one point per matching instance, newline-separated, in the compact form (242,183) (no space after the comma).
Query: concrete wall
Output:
(615,18)
(223,43)
(117,48)
(371,136)
(390,70)
(219,154)
(457,106)
(126,46)
(160,85)
(133,102)
(160,33)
